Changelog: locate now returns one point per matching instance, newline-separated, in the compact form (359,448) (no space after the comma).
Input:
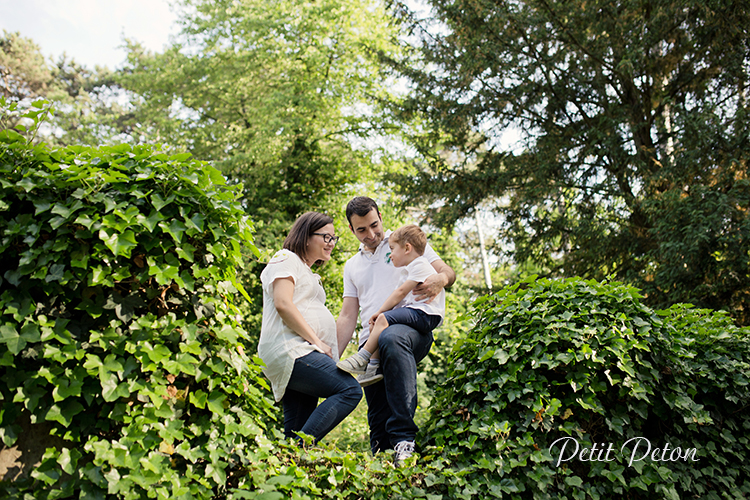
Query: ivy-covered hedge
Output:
(579,363)
(120,350)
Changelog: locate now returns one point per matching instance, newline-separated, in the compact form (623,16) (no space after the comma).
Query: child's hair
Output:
(412,235)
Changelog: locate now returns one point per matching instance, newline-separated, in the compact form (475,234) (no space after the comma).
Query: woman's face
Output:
(317,248)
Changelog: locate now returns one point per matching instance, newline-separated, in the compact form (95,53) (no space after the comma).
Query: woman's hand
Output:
(325,348)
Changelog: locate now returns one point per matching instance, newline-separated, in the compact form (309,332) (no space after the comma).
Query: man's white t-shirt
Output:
(371,277)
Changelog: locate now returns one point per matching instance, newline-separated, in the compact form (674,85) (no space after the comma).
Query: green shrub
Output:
(587,361)
(119,338)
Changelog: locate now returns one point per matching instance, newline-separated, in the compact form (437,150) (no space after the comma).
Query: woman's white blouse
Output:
(279,345)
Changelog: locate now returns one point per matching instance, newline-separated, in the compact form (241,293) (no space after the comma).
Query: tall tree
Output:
(87,108)
(634,120)
(23,70)
(274,93)
(270,91)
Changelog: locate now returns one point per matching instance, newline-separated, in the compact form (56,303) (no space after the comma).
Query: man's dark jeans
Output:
(393,401)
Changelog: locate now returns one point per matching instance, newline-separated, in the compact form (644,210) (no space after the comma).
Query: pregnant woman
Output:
(298,334)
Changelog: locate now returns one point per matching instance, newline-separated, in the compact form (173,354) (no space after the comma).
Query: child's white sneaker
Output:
(370,376)
(356,364)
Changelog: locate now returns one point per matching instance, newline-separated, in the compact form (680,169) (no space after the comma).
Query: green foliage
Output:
(610,138)
(288,472)
(587,360)
(121,343)
(23,71)
(268,92)
(88,106)
(274,94)
(118,326)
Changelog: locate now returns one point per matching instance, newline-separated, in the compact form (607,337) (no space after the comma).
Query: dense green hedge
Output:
(587,361)
(119,340)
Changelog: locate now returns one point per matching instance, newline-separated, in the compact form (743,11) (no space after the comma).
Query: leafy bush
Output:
(119,338)
(587,361)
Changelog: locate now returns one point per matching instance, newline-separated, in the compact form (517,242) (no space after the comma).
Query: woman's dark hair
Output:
(302,231)
(360,206)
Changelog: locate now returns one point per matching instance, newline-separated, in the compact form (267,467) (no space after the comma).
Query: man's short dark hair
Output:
(302,231)
(360,206)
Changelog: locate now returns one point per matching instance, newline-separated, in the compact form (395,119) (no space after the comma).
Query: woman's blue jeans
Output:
(315,376)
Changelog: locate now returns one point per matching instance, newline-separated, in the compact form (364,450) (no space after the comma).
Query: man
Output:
(369,278)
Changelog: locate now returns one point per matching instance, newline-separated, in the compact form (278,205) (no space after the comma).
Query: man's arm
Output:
(346,323)
(431,286)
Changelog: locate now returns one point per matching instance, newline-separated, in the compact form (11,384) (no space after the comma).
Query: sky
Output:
(89,31)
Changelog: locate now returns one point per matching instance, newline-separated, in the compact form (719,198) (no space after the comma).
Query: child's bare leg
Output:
(372,341)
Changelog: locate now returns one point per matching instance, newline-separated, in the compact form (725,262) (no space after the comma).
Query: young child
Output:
(401,307)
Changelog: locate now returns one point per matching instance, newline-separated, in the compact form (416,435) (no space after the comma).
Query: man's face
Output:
(368,229)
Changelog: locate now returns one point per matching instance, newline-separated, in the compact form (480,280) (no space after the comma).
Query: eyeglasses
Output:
(327,238)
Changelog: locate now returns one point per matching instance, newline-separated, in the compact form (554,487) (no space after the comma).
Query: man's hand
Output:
(429,288)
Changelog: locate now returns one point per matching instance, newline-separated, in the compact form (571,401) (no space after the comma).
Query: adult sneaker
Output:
(403,450)
(370,376)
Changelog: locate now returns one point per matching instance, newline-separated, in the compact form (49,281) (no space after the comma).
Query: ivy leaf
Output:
(84,220)
(15,345)
(124,307)
(56,273)
(62,210)
(217,473)
(215,175)
(111,389)
(68,460)
(9,434)
(64,412)
(198,398)
(174,229)
(151,221)
(27,184)
(160,202)
(501,356)
(119,244)
(7,332)
(30,332)
(163,273)
(227,333)
(9,335)
(215,402)
(186,252)
(41,206)
(574,481)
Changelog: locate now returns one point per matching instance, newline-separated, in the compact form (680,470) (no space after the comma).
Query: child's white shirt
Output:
(418,270)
